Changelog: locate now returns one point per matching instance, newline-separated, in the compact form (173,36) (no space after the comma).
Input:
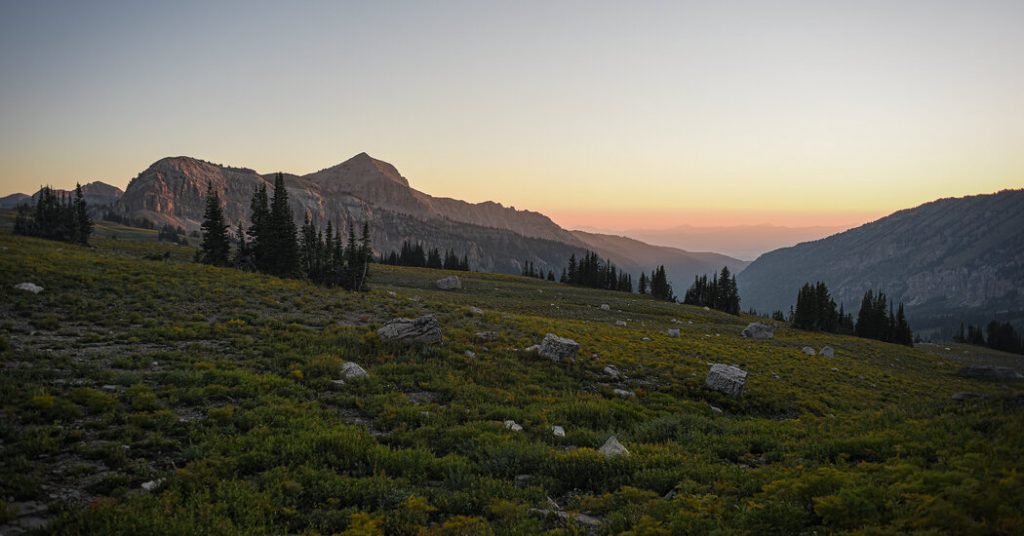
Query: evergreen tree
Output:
(261,246)
(215,247)
(83,223)
(284,250)
(242,253)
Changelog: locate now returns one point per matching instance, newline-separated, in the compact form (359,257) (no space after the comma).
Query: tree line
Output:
(816,311)
(272,244)
(996,335)
(593,272)
(415,255)
(657,285)
(720,292)
(56,216)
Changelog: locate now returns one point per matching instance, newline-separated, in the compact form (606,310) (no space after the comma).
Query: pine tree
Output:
(261,246)
(83,223)
(242,253)
(215,247)
(284,244)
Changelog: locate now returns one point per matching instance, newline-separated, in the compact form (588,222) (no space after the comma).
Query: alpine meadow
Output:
(648,269)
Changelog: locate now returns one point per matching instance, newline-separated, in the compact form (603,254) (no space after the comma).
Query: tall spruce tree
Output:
(215,247)
(284,246)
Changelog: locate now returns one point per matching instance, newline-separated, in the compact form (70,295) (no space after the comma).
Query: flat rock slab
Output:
(451,282)
(423,330)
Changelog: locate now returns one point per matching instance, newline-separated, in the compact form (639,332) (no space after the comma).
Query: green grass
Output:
(126,370)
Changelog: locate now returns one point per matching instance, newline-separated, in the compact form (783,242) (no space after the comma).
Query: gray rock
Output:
(726,379)
(623,393)
(673,332)
(558,431)
(645,339)
(470,353)
(989,373)
(29,287)
(352,371)
(612,371)
(715,409)
(620,323)
(424,329)
(827,352)
(523,481)
(612,448)
(808,350)
(605,307)
(451,282)
(513,425)
(534,348)
(337,385)
(152,484)
(558,348)
(963,395)
(758,331)
(486,336)
(476,311)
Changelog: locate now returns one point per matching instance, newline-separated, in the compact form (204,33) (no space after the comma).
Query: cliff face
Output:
(947,260)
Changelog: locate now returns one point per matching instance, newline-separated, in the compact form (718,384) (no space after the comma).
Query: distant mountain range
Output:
(948,260)
(741,241)
(495,238)
(98,195)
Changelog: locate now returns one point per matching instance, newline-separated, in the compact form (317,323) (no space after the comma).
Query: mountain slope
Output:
(97,194)
(365,189)
(635,257)
(947,260)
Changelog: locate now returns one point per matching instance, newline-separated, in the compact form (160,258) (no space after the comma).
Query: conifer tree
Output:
(215,247)
(284,242)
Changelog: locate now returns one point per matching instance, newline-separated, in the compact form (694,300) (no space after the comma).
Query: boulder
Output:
(29,287)
(531,349)
(808,350)
(726,379)
(612,448)
(605,307)
(486,336)
(623,393)
(352,371)
(827,352)
(558,431)
(473,310)
(451,282)
(470,354)
(513,425)
(673,332)
(758,331)
(620,323)
(424,329)
(612,371)
(558,348)
(989,373)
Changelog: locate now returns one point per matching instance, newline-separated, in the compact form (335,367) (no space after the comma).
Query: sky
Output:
(618,115)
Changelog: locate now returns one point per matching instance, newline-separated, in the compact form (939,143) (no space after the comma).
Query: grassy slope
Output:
(126,370)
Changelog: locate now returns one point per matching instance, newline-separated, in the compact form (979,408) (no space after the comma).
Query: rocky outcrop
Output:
(758,331)
(726,379)
(558,348)
(423,330)
(451,282)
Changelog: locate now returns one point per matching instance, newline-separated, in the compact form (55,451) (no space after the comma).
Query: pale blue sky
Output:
(595,112)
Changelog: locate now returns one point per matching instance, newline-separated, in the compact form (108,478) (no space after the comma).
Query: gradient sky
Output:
(615,115)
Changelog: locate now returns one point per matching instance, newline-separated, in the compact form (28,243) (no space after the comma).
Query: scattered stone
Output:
(558,348)
(337,385)
(620,323)
(673,332)
(392,293)
(612,448)
(558,431)
(152,484)
(645,339)
(676,321)
(476,311)
(690,322)
(590,522)
(605,307)
(451,282)
(486,336)
(624,393)
(827,352)
(989,373)
(513,425)
(531,349)
(808,350)
(706,308)
(352,371)
(470,354)
(523,481)
(758,331)
(726,379)
(670,495)
(424,329)
(109,388)
(964,395)
(716,409)
(29,287)
(613,371)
